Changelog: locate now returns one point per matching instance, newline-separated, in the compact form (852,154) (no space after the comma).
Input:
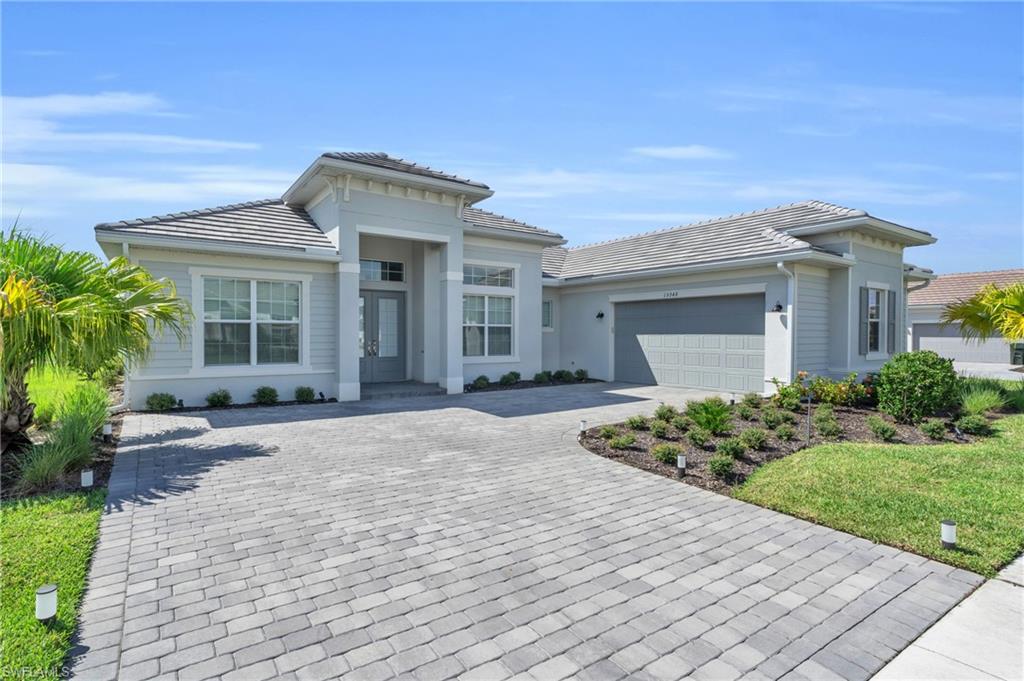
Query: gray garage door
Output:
(709,343)
(948,343)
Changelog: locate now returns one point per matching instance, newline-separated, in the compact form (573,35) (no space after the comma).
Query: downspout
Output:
(790,313)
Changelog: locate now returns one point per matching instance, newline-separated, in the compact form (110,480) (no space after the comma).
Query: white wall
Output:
(551,339)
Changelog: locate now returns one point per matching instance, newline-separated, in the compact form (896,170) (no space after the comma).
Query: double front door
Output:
(381,336)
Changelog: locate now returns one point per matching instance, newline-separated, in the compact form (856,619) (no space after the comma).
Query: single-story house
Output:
(371,269)
(925,332)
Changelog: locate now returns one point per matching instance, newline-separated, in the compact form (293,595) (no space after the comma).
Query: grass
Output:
(898,494)
(43,540)
(47,387)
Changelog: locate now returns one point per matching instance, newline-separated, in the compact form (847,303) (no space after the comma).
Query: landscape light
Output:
(46,603)
(181,404)
(108,432)
(681,465)
(583,426)
(948,534)
(87,478)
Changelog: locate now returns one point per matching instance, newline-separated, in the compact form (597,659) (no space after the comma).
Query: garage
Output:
(712,343)
(947,342)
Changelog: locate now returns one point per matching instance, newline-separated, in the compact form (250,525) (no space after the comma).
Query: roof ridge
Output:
(357,156)
(961,274)
(822,205)
(499,215)
(191,213)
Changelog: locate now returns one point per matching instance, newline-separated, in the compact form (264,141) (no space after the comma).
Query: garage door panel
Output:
(946,341)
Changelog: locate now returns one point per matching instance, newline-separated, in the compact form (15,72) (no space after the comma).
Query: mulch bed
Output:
(852,419)
(519,385)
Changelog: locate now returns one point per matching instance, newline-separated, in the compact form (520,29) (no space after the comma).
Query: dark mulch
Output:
(852,419)
(519,385)
(243,405)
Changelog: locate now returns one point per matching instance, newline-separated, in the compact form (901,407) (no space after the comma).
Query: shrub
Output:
(698,437)
(607,432)
(511,378)
(666,453)
(731,447)
(846,392)
(681,423)
(754,438)
(751,400)
(265,394)
(934,428)
(658,428)
(42,417)
(913,385)
(882,429)
(771,418)
(219,398)
(622,441)
(160,402)
(304,394)
(542,377)
(88,403)
(745,412)
(788,395)
(582,375)
(785,432)
(665,412)
(711,414)
(720,465)
(826,423)
(481,382)
(637,422)
(975,399)
(973,424)
(1014,398)
(564,376)
(43,465)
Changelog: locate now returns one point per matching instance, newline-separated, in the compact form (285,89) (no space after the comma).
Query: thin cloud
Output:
(653,218)
(684,152)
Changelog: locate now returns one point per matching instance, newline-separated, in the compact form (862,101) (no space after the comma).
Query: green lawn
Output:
(47,387)
(44,539)
(898,494)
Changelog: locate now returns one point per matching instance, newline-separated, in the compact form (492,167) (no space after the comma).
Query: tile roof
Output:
(947,288)
(379,159)
(256,223)
(746,234)
(488,220)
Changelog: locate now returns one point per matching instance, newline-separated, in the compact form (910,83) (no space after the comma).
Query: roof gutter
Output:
(910,236)
(183,244)
(498,232)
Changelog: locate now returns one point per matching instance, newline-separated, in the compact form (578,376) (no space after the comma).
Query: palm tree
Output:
(69,308)
(990,312)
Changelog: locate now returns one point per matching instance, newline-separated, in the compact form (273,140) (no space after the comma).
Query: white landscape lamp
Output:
(681,465)
(46,603)
(87,478)
(948,534)
(108,432)
(583,427)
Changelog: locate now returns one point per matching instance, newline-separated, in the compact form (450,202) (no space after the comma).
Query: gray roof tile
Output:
(947,288)
(488,220)
(379,159)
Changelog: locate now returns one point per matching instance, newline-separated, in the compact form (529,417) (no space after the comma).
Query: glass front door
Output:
(381,336)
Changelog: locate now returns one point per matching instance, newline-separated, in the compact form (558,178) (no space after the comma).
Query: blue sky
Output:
(595,120)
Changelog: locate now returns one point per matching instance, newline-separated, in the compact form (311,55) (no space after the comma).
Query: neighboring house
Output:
(926,333)
(373,269)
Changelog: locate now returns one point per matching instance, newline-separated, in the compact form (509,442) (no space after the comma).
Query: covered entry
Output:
(711,343)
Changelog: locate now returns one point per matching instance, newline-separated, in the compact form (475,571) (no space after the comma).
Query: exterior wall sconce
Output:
(948,534)
(46,603)
(777,307)
(600,315)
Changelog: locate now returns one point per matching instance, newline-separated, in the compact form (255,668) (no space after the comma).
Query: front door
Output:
(381,336)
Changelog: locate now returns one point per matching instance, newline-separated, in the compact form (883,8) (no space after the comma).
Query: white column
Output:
(348,314)
(451,316)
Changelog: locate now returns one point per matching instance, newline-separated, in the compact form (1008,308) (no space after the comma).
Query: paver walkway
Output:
(469,536)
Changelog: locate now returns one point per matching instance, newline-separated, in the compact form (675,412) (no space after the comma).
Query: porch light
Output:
(600,314)
(87,478)
(108,432)
(777,307)
(680,465)
(46,603)
(948,534)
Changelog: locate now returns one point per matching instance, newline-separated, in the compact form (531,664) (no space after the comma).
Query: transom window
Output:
(486,326)
(875,298)
(547,314)
(234,335)
(487,275)
(381,270)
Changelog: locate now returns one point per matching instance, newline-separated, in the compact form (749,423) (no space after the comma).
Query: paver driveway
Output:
(469,536)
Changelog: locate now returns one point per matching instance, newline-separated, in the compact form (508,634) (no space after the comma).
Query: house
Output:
(925,312)
(373,269)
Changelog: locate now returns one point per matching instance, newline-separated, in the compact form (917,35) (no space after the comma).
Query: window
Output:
(381,270)
(486,275)
(875,320)
(230,327)
(486,326)
(547,315)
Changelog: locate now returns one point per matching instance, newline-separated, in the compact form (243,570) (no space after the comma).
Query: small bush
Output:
(711,414)
(785,432)
(913,385)
(788,395)
(542,377)
(731,447)
(42,466)
(979,400)
(846,392)
(637,422)
(607,432)
(754,438)
(582,375)
(745,412)
(219,398)
(511,378)
(304,394)
(161,402)
(752,401)
(1015,397)
(681,423)
(87,402)
(658,428)
(42,417)
(771,418)
(665,412)
(564,376)
(265,394)
(622,441)
(698,437)
(882,429)
(666,453)
(974,424)
(481,382)
(934,428)
(720,465)
(826,423)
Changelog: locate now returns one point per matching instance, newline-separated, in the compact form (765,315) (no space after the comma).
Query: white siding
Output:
(812,324)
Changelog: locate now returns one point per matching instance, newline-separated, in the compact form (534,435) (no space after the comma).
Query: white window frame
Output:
(882,289)
(501,292)
(304,281)
(405,271)
(550,304)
